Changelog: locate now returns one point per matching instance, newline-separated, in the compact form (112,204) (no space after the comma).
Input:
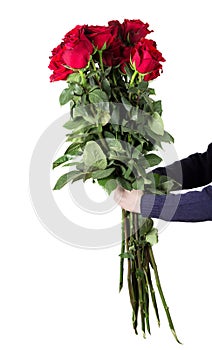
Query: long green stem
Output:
(114,79)
(152,260)
(122,252)
(94,66)
(139,277)
(129,275)
(103,142)
(101,60)
(152,291)
(136,293)
(146,302)
(82,77)
(133,78)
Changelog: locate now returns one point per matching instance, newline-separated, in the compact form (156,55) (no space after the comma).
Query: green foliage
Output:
(97,96)
(156,124)
(64,179)
(61,160)
(65,96)
(152,159)
(101,174)
(152,236)
(115,127)
(126,255)
(93,156)
(109,184)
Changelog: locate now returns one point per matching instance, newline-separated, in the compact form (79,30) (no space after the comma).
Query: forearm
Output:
(192,206)
(191,172)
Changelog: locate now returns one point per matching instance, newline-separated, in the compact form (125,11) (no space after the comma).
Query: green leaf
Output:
(115,145)
(74,78)
(82,176)
(143,85)
(71,164)
(126,103)
(166,186)
(97,96)
(77,88)
(126,255)
(66,96)
(124,183)
(102,117)
(64,179)
(167,137)
(156,124)
(106,86)
(109,135)
(147,225)
(101,174)
(93,87)
(109,184)
(107,71)
(72,104)
(152,236)
(93,156)
(76,124)
(79,111)
(116,118)
(128,172)
(73,149)
(138,184)
(129,71)
(85,112)
(135,113)
(137,152)
(157,106)
(151,91)
(152,159)
(61,160)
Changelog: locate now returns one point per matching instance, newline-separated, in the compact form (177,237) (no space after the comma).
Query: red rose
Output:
(73,33)
(116,54)
(57,64)
(78,48)
(134,30)
(131,31)
(117,26)
(74,52)
(101,35)
(146,59)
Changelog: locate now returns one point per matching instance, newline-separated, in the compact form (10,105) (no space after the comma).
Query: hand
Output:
(128,200)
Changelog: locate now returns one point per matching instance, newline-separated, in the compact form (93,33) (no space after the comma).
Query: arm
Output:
(193,206)
(193,171)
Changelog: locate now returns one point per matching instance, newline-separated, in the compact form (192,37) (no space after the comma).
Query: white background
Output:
(55,296)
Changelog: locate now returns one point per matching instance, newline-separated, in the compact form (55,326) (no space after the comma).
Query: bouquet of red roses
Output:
(114,127)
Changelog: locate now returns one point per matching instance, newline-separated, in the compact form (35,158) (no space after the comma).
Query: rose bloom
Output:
(131,31)
(101,35)
(134,30)
(116,54)
(73,53)
(78,48)
(146,59)
(57,64)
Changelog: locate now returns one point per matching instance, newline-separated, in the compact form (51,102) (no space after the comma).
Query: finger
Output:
(118,194)
(119,188)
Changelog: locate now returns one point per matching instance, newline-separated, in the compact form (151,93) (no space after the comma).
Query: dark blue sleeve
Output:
(191,172)
(193,206)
